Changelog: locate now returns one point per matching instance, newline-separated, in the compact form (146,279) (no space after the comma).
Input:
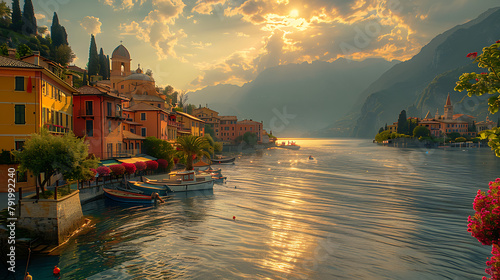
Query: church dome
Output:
(121,52)
(140,77)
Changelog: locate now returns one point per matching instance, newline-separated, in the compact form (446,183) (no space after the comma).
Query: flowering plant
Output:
(140,165)
(117,169)
(129,168)
(103,170)
(163,163)
(152,165)
(485,225)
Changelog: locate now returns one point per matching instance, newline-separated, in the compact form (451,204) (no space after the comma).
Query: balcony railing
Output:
(86,113)
(56,128)
(175,124)
(123,153)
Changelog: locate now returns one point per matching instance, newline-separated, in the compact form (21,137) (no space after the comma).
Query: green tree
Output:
(29,20)
(460,139)
(64,55)
(382,136)
(485,82)
(402,123)
(5,12)
(103,71)
(421,131)
(380,129)
(216,146)
(58,33)
(158,148)
(250,138)
(50,155)
(22,50)
(4,50)
(209,131)
(17,20)
(453,135)
(93,66)
(190,146)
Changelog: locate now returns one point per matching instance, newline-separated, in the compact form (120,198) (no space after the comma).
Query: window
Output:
(21,177)
(137,146)
(109,109)
(89,108)
(67,121)
(118,147)
(159,105)
(110,149)
(123,86)
(131,146)
(143,116)
(109,126)
(19,84)
(123,128)
(89,128)
(19,145)
(143,131)
(118,110)
(20,112)
(132,130)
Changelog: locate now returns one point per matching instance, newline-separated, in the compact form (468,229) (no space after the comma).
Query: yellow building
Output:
(32,97)
(210,117)
(190,124)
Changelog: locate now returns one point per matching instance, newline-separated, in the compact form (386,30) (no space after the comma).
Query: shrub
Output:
(176,160)
(162,163)
(103,170)
(140,165)
(129,168)
(117,169)
(152,165)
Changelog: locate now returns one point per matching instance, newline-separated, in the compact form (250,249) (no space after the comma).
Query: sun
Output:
(294,13)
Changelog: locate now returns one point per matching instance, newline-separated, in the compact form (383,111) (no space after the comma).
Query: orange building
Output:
(250,126)
(228,131)
(191,124)
(154,121)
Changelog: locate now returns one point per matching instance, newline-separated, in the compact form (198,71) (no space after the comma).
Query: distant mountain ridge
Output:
(402,86)
(294,98)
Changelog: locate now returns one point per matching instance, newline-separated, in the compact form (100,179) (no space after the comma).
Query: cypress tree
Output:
(84,79)
(93,58)
(58,33)
(108,68)
(385,126)
(102,65)
(29,20)
(17,21)
(402,123)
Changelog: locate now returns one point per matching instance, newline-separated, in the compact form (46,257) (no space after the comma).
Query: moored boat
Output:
(148,189)
(222,160)
(183,181)
(130,197)
(291,145)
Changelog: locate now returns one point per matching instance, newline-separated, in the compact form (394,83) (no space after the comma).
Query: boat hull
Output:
(148,189)
(223,160)
(195,186)
(128,197)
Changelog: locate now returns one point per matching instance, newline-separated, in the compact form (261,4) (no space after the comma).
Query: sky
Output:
(191,44)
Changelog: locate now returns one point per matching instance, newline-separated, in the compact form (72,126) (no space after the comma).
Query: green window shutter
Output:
(19,84)
(20,112)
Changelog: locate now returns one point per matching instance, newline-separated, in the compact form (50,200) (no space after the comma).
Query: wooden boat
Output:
(183,181)
(130,197)
(222,160)
(148,189)
(311,157)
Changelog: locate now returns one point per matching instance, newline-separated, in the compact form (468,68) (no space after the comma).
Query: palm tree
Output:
(190,146)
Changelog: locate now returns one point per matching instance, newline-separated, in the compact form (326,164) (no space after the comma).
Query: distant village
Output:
(115,115)
(454,126)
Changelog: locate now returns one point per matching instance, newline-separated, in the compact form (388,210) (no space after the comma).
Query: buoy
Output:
(234,217)
(56,271)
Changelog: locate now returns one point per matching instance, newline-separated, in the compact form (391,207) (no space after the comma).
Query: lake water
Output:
(357,211)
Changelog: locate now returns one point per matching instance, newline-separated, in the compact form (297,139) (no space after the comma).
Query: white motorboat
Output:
(183,181)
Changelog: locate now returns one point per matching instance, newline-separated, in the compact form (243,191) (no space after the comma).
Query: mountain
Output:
(294,98)
(403,84)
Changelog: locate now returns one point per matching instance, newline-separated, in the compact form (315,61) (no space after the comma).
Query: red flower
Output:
(498,41)
(162,163)
(477,80)
(484,73)
(472,55)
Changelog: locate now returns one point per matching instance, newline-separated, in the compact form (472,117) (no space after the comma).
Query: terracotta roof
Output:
(76,69)
(228,117)
(97,90)
(144,97)
(459,115)
(127,135)
(189,116)
(9,62)
(145,107)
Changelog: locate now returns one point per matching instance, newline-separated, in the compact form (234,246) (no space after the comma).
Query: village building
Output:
(210,117)
(32,98)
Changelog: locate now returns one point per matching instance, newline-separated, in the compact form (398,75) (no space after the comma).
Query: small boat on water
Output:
(183,181)
(149,189)
(222,160)
(131,197)
(291,145)
(311,158)
(215,173)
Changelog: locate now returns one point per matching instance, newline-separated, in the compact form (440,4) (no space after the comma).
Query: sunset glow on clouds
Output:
(191,44)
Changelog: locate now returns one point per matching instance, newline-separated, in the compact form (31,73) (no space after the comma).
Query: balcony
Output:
(116,115)
(56,128)
(86,113)
(178,125)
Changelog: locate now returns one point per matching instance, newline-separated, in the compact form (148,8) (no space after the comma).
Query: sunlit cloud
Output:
(91,24)
(123,4)
(40,16)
